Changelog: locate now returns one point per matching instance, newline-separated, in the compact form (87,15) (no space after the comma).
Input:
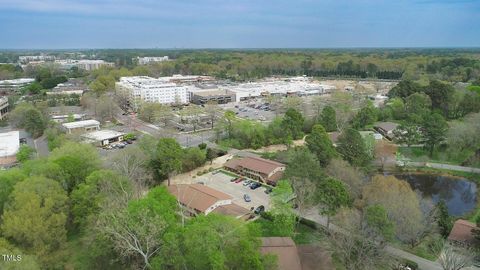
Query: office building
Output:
(148,60)
(81,126)
(103,137)
(215,95)
(15,84)
(147,89)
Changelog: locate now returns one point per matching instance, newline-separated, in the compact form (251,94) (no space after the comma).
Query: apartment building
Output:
(148,60)
(147,89)
(265,170)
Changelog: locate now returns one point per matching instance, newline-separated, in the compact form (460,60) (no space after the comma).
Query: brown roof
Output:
(257,164)
(387,126)
(231,210)
(462,231)
(286,251)
(197,196)
(232,163)
(275,177)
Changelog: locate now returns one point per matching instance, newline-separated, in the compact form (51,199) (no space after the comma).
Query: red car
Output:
(240,179)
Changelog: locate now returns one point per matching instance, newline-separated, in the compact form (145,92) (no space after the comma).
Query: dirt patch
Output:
(315,258)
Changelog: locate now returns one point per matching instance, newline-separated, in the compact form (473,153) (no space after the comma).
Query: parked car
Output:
(259,209)
(247,198)
(234,179)
(215,172)
(240,179)
(255,185)
(268,190)
(201,183)
(247,182)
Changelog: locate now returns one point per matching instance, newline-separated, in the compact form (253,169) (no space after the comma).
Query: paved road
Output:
(41,145)
(423,264)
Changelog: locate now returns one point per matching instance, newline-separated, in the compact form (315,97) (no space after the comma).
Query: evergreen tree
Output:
(319,143)
(328,119)
(352,148)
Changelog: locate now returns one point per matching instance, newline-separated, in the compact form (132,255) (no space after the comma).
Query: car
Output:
(268,190)
(120,145)
(247,198)
(129,141)
(247,182)
(259,209)
(215,172)
(201,183)
(255,185)
(240,179)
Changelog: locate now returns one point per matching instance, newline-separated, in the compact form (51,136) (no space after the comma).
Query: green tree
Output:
(440,94)
(24,153)
(36,216)
(377,223)
(138,230)
(77,161)
(303,164)
(328,119)
(87,197)
(332,195)
(26,116)
(352,148)
(192,158)
(167,159)
(434,130)
(418,104)
(214,242)
(282,211)
(404,89)
(366,116)
(211,154)
(292,123)
(319,143)
(408,134)
(8,179)
(444,220)
(27,261)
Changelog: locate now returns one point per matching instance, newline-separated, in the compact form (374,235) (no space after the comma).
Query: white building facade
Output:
(147,89)
(147,60)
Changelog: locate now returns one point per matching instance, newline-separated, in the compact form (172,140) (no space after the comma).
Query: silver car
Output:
(247,198)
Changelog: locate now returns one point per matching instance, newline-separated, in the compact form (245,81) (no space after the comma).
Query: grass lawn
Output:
(419,154)
(426,248)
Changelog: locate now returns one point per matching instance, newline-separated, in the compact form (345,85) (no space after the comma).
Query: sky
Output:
(68,24)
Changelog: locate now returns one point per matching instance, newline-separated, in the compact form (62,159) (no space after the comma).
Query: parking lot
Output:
(221,182)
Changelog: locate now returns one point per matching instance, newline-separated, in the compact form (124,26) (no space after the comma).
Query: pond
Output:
(458,193)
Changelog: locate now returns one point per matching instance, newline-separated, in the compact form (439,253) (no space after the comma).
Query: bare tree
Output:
(131,162)
(305,194)
(455,258)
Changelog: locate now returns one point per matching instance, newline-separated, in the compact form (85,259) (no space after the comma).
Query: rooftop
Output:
(257,164)
(387,126)
(101,135)
(197,196)
(462,231)
(285,249)
(9,143)
(80,124)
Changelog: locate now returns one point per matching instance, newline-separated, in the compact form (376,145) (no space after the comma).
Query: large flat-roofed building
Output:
(198,199)
(29,58)
(93,64)
(267,171)
(62,114)
(147,89)
(14,85)
(9,145)
(4,107)
(220,96)
(81,126)
(72,87)
(103,137)
(150,59)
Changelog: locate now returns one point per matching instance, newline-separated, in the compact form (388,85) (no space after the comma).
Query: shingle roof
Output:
(197,196)
(462,231)
(255,164)
(286,251)
(387,126)
(231,210)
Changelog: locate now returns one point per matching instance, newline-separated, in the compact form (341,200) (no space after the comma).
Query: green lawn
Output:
(302,235)
(419,154)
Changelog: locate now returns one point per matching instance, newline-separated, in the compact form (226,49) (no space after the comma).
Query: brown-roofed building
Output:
(386,129)
(199,199)
(462,234)
(286,251)
(267,171)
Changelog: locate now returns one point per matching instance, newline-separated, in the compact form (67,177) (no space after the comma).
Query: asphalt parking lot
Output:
(221,182)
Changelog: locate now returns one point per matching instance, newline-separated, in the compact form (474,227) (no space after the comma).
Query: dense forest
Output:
(413,64)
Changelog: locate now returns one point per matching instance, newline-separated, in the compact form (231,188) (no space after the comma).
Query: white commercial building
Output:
(104,137)
(9,145)
(147,60)
(81,126)
(83,64)
(16,84)
(147,89)
(30,58)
